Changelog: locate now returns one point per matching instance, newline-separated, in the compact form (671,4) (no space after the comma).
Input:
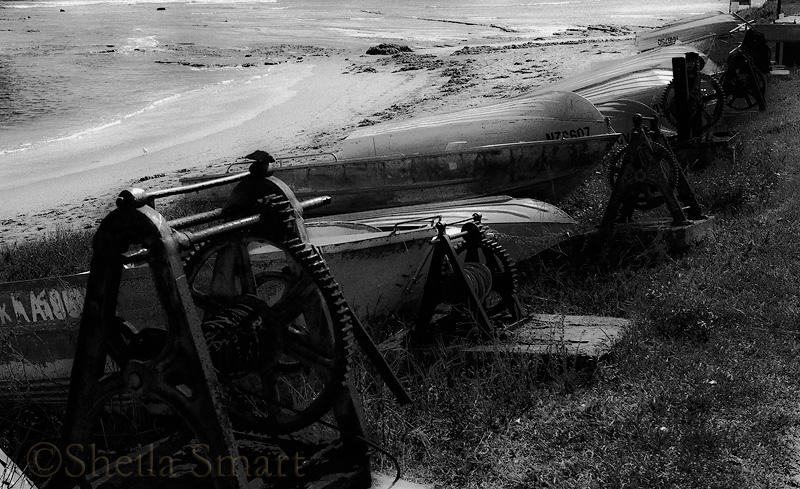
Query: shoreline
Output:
(297,107)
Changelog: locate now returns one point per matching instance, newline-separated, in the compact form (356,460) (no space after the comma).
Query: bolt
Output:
(134,381)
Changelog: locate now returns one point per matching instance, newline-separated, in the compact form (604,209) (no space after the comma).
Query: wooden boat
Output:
(550,116)
(510,220)
(641,77)
(619,89)
(540,148)
(715,34)
(377,259)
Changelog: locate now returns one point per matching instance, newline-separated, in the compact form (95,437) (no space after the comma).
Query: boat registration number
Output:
(667,41)
(567,133)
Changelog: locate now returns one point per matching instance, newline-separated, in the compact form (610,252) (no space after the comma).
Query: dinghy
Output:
(541,148)
(378,259)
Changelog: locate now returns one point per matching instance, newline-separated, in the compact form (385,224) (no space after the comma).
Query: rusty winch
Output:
(244,380)
(645,174)
(704,99)
(476,275)
(744,79)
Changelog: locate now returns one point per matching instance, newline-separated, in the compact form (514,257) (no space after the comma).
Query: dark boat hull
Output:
(544,170)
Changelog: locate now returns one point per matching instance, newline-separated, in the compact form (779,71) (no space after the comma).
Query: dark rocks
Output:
(388,48)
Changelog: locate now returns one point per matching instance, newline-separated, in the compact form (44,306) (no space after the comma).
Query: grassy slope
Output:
(700,393)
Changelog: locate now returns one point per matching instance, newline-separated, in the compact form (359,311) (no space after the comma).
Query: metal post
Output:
(681,83)
(779,44)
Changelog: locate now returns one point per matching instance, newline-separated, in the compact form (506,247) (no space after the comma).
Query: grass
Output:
(700,392)
(767,12)
(59,252)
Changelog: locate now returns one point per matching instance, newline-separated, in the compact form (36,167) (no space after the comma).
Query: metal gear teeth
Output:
(302,252)
(613,159)
(505,258)
(309,259)
(336,293)
(329,283)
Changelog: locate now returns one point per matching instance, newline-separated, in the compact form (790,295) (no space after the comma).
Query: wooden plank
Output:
(661,230)
(383,481)
(556,334)
(636,237)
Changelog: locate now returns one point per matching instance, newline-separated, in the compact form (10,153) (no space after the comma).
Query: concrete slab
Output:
(661,230)
(648,238)
(556,334)
(383,481)
(777,72)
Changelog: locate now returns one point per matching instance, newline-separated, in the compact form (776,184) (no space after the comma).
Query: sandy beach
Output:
(287,99)
(290,108)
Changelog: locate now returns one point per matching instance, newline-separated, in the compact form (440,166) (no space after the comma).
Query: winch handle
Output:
(315,202)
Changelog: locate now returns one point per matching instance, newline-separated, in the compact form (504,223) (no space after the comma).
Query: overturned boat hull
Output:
(641,77)
(714,34)
(510,221)
(540,148)
(546,170)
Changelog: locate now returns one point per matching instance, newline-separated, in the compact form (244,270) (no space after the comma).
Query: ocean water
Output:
(69,68)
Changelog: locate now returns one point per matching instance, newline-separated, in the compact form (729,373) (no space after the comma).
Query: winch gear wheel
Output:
(743,86)
(707,103)
(646,194)
(298,295)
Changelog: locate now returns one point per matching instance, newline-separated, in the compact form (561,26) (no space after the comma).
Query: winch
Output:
(476,275)
(744,79)
(243,382)
(700,102)
(645,174)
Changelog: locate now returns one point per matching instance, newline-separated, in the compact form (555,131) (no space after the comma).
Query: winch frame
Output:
(640,180)
(181,374)
(485,268)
